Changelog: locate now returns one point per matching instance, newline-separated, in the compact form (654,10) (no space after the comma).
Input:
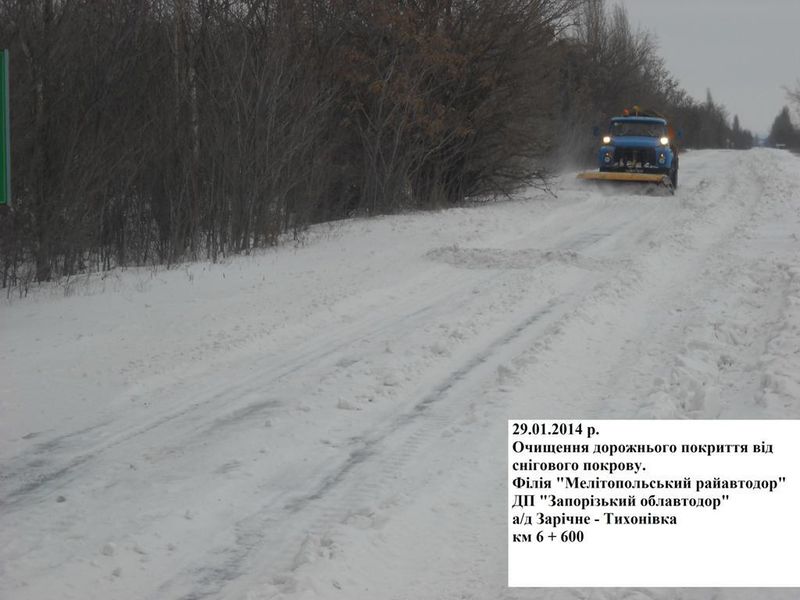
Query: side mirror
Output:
(680,134)
(596,131)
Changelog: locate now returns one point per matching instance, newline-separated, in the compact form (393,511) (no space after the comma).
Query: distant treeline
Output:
(783,132)
(152,131)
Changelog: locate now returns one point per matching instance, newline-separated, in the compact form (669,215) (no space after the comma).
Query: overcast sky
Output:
(744,50)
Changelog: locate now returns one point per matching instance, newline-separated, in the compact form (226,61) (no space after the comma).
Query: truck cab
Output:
(639,144)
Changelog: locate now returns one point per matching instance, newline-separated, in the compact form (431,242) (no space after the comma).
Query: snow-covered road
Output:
(328,420)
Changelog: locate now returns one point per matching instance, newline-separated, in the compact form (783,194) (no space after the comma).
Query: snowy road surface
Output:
(329,420)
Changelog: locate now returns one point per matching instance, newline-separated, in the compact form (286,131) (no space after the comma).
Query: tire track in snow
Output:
(386,451)
(331,500)
(28,467)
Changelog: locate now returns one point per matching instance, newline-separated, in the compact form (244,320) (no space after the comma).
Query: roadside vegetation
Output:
(784,133)
(155,131)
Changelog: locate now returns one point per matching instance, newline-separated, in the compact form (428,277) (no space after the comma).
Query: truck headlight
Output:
(607,139)
(665,141)
(661,158)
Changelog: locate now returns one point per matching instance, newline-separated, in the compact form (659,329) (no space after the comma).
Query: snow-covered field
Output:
(328,420)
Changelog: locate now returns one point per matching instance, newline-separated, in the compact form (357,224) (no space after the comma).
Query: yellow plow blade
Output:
(612,176)
(656,178)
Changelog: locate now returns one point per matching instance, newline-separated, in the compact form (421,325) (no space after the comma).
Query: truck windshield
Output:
(630,128)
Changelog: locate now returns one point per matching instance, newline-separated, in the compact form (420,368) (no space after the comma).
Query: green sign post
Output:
(5,132)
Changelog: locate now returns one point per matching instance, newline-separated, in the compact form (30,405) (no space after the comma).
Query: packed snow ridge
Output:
(328,420)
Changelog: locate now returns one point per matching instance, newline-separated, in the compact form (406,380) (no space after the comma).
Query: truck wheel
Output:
(673,174)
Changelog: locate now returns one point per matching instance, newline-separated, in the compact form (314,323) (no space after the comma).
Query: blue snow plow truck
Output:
(638,147)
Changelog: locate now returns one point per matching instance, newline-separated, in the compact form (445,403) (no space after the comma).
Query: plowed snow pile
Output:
(328,420)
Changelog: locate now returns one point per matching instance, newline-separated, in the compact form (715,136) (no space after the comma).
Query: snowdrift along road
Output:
(329,420)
